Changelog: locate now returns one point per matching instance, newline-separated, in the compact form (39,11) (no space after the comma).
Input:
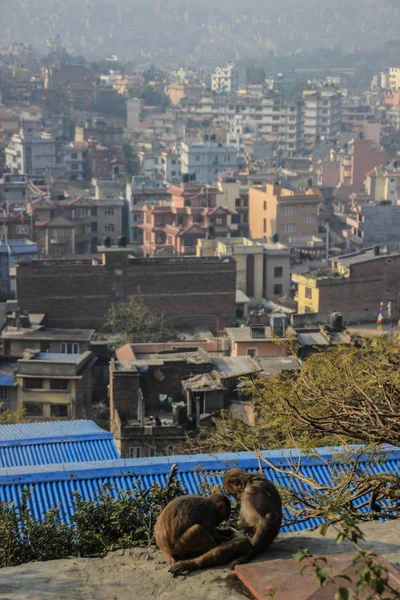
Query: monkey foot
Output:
(181,568)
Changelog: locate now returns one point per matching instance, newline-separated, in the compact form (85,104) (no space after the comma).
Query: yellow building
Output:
(55,385)
(307,293)
(292,216)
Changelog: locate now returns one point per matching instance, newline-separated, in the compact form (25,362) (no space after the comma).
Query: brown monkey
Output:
(260,515)
(187,527)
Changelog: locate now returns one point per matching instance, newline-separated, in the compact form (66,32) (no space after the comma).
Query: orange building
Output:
(289,215)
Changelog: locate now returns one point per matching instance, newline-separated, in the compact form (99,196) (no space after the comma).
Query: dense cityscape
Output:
(199,261)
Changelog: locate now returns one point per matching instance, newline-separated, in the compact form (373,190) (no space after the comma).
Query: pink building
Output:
(349,167)
(174,227)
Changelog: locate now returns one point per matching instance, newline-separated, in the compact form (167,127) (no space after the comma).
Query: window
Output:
(237,202)
(253,352)
(173,173)
(289,210)
(289,228)
(159,221)
(135,451)
(309,218)
(58,251)
(69,348)
(245,202)
(278,272)
(21,229)
(265,205)
(74,167)
(308,309)
(219,221)
(308,206)
(197,158)
(173,161)
(109,212)
(80,212)
(3,393)
(62,234)
(74,155)
(308,293)
(265,226)
(33,410)
(60,385)
(109,227)
(59,410)
(33,384)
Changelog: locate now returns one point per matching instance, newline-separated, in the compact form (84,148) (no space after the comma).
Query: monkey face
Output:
(235,481)
(223,505)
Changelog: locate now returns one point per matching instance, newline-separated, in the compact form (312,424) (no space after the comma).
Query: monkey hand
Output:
(227,531)
(182,567)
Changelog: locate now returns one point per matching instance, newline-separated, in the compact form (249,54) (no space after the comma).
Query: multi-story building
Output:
(34,154)
(98,129)
(354,112)
(174,227)
(76,158)
(225,80)
(11,252)
(203,161)
(383,184)
(355,284)
(165,164)
(139,191)
(272,115)
(235,196)
(322,113)
(13,189)
(262,269)
(77,225)
(280,214)
(394,78)
(349,166)
(55,385)
(373,223)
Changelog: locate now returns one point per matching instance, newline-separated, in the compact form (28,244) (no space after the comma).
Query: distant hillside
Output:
(166,30)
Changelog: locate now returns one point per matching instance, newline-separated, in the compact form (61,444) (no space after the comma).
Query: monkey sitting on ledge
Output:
(260,518)
(187,527)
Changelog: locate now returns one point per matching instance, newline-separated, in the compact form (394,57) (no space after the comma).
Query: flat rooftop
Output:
(56,357)
(243,334)
(364,256)
(74,335)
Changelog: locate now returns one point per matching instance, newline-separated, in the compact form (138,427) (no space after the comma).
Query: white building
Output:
(76,159)
(225,80)
(271,114)
(164,165)
(322,113)
(240,130)
(33,153)
(203,161)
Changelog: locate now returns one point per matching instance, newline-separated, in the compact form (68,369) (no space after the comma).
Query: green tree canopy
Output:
(136,323)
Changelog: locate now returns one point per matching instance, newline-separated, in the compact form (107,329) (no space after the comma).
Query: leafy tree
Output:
(344,396)
(132,159)
(7,417)
(155,97)
(136,323)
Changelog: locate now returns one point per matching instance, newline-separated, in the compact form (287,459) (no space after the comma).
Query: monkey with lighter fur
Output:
(260,519)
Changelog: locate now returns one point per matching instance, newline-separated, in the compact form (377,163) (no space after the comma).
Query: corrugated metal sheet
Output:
(7,380)
(52,485)
(46,429)
(59,442)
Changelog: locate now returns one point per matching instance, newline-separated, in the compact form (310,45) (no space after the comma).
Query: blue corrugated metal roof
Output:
(28,444)
(52,485)
(7,380)
(47,429)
